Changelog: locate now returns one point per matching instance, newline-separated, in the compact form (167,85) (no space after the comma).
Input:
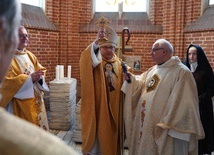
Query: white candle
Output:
(57,72)
(69,71)
(61,72)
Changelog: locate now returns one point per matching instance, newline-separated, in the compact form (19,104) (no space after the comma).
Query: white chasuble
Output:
(162,99)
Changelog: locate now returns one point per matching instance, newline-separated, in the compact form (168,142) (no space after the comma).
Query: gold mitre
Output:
(111,36)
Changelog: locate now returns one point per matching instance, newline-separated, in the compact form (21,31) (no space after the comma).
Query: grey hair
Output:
(165,44)
(10,17)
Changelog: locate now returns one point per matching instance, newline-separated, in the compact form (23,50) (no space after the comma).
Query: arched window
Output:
(120,5)
(211,2)
(39,3)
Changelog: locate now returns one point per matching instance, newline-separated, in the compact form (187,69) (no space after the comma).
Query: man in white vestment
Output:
(163,113)
(17,136)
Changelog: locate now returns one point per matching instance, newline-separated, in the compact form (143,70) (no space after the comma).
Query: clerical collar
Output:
(165,61)
(161,64)
(20,52)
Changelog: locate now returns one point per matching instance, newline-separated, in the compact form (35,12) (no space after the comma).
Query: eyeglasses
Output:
(156,49)
(22,36)
(107,47)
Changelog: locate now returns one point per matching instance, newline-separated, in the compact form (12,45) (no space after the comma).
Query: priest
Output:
(24,85)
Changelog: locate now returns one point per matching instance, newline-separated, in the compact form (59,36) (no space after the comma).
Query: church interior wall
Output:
(74,32)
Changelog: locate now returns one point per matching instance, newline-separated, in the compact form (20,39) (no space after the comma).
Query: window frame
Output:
(205,4)
(41,3)
(212,2)
(119,7)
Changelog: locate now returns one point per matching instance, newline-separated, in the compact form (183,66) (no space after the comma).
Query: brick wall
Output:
(65,46)
(205,39)
(44,45)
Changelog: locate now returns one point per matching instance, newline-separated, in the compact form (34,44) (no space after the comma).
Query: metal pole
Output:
(125,30)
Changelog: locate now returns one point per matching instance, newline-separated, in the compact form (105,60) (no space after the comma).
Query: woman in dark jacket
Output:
(197,62)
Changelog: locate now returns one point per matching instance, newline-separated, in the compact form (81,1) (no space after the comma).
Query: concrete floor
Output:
(67,137)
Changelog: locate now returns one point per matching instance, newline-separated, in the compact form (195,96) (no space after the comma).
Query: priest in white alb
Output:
(161,107)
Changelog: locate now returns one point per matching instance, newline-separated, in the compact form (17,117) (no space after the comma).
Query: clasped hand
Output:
(36,76)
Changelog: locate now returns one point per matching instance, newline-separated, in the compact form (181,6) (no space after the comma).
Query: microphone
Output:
(125,71)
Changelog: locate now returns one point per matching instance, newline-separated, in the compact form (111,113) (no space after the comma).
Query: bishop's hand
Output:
(100,35)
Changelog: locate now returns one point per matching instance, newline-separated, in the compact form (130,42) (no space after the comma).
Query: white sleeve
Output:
(96,59)
(180,142)
(26,91)
(180,147)
(179,135)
